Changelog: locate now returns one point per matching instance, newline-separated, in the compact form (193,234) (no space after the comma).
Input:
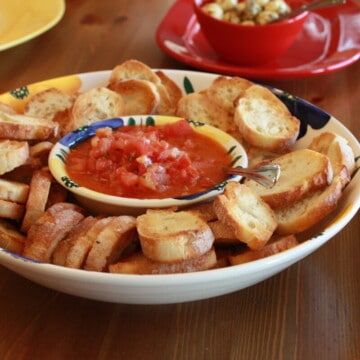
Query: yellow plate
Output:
(21,21)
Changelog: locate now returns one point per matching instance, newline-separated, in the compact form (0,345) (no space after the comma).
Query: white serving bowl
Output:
(177,288)
(101,203)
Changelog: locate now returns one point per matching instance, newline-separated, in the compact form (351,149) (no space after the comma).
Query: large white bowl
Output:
(162,289)
(100,203)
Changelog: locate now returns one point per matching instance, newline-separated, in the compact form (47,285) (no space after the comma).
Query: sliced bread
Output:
(138,263)
(264,121)
(12,154)
(309,210)
(302,171)
(21,127)
(168,236)
(250,218)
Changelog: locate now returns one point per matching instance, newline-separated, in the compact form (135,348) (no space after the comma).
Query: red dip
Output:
(150,162)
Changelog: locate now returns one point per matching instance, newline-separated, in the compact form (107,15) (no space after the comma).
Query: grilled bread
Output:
(140,97)
(341,155)
(249,217)
(94,105)
(47,103)
(12,154)
(279,245)
(168,236)
(37,198)
(138,263)
(111,242)
(302,171)
(21,127)
(48,230)
(264,121)
(11,238)
(309,210)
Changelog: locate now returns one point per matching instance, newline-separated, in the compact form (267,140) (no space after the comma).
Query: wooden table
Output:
(309,311)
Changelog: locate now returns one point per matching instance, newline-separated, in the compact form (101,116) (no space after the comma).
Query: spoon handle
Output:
(310,6)
(266,175)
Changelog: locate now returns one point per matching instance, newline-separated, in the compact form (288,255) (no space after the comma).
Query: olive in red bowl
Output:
(130,164)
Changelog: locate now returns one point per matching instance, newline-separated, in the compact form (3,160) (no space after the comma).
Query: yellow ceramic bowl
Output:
(100,203)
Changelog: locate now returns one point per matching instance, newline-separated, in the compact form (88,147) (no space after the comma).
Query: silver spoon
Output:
(266,175)
(310,6)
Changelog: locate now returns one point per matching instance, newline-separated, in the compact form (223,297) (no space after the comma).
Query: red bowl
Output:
(248,45)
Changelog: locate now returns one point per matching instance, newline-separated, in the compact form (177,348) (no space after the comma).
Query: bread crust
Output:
(337,149)
(94,105)
(111,242)
(79,230)
(140,96)
(264,121)
(21,127)
(168,236)
(48,230)
(13,154)
(302,171)
(250,218)
(11,210)
(133,69)
(309,210)
(138,263)
(225,90)
(10,238)
(13,191)
(47,103)
(80,247)
(279,245)
(37,198)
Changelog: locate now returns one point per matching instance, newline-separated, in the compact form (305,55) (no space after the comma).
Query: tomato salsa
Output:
(170,160)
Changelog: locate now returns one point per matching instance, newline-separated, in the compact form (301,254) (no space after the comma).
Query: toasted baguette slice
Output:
(133,69)
(5,108)
(279,245)
(172,88)
(198,107)
(12,154)
(140,96)
(308,211)
(111,242)
(257,156)
(13,191)
(11,238)
(264,121)
(79,230)
(21,127)
(45,234)
(225,90)
(94,105)
(138,263)
(302,171)
(169,236)
(11,210)
(37,198)
(81,245)
(206,209)
(337,149)
(47,103)
(251,218)
(223,234)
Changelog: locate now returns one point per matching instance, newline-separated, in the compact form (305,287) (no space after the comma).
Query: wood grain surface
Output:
(309,311)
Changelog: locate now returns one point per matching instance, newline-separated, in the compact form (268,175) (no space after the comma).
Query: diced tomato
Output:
(148,161)
(178,129)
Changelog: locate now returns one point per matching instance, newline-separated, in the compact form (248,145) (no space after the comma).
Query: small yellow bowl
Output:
(100,203)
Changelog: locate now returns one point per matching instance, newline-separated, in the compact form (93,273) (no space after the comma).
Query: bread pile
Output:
(245,223)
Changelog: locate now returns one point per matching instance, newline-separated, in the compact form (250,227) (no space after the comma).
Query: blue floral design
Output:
(307,113)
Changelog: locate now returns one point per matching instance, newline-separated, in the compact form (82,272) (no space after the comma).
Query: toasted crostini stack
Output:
(245,223)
